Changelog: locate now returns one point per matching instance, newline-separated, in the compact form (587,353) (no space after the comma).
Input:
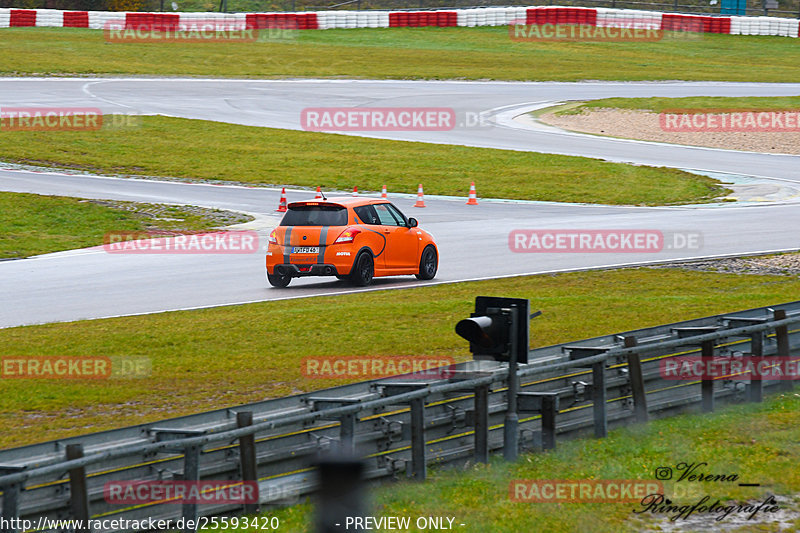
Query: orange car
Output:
(350,238)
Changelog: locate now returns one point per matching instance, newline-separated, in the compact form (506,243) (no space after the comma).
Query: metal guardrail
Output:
(400,425)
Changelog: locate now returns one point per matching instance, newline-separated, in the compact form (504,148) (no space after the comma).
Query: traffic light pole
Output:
(511,423)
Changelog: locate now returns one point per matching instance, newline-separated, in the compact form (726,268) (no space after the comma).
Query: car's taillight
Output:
(273,237)
(347,236)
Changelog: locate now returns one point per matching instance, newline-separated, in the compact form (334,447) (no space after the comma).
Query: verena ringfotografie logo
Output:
(179,491)
(601,241)
(721,120)
(366,367)
(73,367)
(50,119)
(695,367)
(378,119)
(146,242)
(200,31)
(582,490)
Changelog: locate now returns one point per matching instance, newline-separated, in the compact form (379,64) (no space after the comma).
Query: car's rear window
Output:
(315,215)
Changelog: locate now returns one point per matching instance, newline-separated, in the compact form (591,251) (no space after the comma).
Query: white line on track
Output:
(433,283)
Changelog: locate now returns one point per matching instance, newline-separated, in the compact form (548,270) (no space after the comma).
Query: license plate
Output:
(305,250)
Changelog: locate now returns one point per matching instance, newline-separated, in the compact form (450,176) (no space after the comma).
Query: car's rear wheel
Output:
(363,270)
(279,280)
(428,264)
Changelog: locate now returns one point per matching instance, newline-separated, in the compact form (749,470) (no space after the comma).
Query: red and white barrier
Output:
(482,16)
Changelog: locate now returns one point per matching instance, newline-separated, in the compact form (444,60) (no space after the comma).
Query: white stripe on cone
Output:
(473,196)
(282,204)
(420,197)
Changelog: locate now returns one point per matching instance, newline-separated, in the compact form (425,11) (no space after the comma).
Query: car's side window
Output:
(386,217)
(401,220)
(367,214)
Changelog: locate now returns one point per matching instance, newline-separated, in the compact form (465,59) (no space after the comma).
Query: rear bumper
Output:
(301,270)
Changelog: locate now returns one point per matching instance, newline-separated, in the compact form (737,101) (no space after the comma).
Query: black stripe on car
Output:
(287,245)
(323,236)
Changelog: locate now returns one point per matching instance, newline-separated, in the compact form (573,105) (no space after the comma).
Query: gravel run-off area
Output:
(775,265)
(646,126)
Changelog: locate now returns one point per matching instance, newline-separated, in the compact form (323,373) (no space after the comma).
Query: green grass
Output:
(31,224)
(207,359)
(406,53)
(694,104)
(758,442)
(203,150)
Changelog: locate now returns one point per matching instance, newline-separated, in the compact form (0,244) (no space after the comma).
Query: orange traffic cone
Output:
(355,190)
(282,205)
(319,194)
(473,197)
(420,197)
(383,192)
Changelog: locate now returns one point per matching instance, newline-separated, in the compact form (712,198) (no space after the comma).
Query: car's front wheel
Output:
(278,280)
(363,270)
(428,264)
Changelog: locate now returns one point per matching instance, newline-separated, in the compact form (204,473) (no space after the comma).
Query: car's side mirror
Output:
(412,223)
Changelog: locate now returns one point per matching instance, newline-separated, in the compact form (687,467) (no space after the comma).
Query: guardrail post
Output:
(549,411)
(576,353)
(347,432)
(599,399)
(546,404)
(637,382)
(10,499)
(782,339)
(756,356)
(78,492)
(511,421)
(482,423)
(10,507)
(419,467)
(707,384)
(247,456)
(191,472)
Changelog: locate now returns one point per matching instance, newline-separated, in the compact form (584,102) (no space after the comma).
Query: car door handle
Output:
(387,231)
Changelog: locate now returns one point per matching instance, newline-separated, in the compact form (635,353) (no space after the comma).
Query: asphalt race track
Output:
(473,240)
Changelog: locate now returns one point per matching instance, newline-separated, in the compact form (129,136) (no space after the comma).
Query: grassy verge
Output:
(406,53)
(207,359)
(695,104)
(758,442)
(202,150)
(31,224)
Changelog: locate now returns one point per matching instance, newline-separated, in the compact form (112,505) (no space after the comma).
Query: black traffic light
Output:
(491,329)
